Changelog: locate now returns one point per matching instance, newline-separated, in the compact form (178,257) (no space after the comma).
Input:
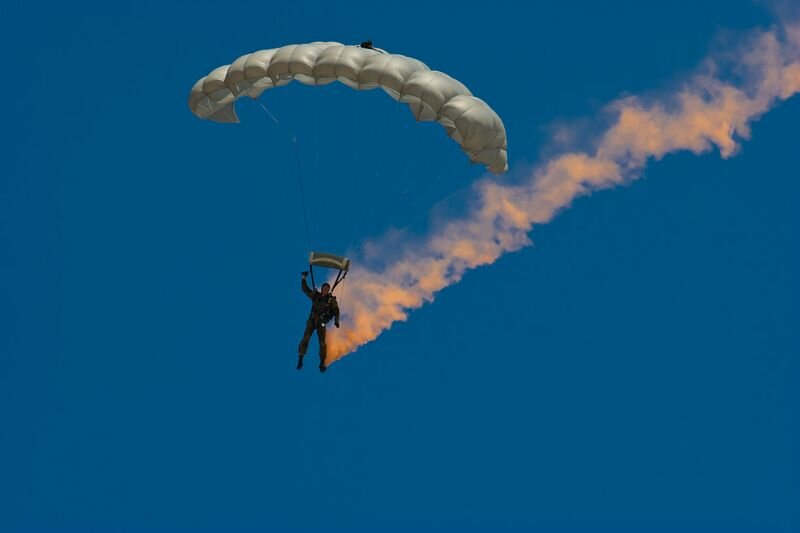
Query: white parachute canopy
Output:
(430,94)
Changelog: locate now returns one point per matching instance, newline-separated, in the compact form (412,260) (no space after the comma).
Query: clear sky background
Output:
(636,370)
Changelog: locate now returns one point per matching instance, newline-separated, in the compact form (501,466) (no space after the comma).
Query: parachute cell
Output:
(431,95)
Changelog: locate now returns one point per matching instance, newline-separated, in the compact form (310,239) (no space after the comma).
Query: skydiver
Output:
(323,308)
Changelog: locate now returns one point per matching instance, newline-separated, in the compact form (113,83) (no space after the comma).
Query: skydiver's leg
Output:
(323,348)
(301,349)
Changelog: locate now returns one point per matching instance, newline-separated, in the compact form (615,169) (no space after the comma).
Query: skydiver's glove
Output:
(304,273)
(336,323)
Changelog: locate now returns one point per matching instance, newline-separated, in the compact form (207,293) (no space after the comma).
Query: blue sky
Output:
(635,370)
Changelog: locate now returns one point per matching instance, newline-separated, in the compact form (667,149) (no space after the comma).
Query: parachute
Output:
(336,262)
(431,95)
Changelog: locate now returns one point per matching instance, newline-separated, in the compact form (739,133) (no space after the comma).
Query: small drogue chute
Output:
(326,260)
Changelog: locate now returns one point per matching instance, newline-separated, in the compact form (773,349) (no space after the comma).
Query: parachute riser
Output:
(339,278)
(311,270)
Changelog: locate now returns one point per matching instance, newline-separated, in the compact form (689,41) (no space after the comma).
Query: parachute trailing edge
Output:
(431,95)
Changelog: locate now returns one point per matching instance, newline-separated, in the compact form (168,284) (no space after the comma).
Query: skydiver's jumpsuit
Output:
(322,309)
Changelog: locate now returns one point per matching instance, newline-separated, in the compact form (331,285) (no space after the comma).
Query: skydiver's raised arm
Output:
(305,287)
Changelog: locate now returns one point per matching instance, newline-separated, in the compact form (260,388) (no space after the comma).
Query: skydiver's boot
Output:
(323,367)
(299,361)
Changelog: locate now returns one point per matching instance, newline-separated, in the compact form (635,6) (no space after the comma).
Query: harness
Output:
(321,308)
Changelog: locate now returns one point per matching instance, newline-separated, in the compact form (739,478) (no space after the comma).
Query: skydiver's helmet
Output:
(367,44)
(322,288)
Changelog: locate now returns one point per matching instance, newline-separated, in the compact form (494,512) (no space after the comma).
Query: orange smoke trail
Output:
(705,112)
